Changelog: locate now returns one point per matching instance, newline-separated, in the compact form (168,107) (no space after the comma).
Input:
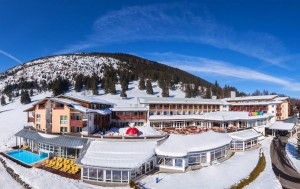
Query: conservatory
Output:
(243,140)
(181,151)
(116,162)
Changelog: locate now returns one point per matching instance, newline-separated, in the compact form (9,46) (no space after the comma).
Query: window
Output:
(100,175)
(63,120)
(178,163)
(85,173)
(108,174)
(38,126)
(117,176)
(63,129)
(38,117)
(124,176)
(92,174)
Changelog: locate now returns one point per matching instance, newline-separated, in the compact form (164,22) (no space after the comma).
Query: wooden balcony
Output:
(76,123)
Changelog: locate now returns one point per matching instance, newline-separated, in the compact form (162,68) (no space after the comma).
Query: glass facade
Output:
(115,175)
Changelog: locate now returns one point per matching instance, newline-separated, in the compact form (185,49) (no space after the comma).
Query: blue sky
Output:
(247,44)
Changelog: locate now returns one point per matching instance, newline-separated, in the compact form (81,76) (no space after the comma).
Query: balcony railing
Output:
(76,123)
(31,119)
(128,117)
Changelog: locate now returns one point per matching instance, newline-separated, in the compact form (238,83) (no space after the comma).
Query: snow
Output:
(291,149)
(144,131)
(266,179)
(181,145)
(212,177)
(6,181)
(118,154)
(214,116)
(154,100)
(262,97)
(283,125)
(244,135)
(38,178)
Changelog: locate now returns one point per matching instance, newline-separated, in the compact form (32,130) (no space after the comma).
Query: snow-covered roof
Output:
(181,145)
(282,98)
(244,135)
(286,125)
(126,155)
(249,103)
(144,131)
(129,108)
(261,97)
(87,99)
(77,106)
(213,116)
(56,140)
(170,100)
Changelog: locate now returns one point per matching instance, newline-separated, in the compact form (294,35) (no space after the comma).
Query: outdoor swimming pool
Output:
(27,157)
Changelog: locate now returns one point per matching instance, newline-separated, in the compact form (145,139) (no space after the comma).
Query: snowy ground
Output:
(267,178)
(291,151)
(214,177)
(6,181)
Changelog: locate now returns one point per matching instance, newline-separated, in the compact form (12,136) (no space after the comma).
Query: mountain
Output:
(42,71)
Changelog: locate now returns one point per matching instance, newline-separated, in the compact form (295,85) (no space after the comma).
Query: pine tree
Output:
(94,84)
(123,94)
(165,92)
(112,87)
(207,93)
(78,83)
(149,87)
(142,84)
(188,91)
(31,92)
(3,102)
(25,97)
(10,97)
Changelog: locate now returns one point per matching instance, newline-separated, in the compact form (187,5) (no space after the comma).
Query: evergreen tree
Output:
(188,91)
(78,83)
(59,86)
(112,88)
(3,102)
(123,94)
(31,92)
(10,97)
(149,87)
(207,93)
(142,84)
(94,84)
(165,92)
(25,97)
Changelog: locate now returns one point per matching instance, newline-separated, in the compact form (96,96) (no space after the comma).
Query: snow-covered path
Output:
(267,178)
(6,181)
(217,176)
(291,151)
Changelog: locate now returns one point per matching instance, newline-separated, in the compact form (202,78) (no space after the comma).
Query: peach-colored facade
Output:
(57,112)
(42,121)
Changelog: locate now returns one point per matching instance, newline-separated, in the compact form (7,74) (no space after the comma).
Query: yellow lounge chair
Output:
(46,162)
(67,168)
(63,168)
(50,164)
(58,166)
(76,169)
(71,169)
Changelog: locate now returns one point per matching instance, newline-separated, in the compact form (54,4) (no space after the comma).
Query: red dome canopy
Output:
(132,131)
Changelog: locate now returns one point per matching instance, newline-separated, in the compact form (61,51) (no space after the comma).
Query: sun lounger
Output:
(46,162)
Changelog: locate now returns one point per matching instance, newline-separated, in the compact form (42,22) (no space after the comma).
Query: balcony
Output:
(30,119)
(76,123)
(128,117)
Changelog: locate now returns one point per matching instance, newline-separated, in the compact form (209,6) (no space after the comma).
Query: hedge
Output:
(253,175)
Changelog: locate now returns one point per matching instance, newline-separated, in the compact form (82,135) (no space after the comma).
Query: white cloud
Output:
(209,66)
(10,56)
(174,22)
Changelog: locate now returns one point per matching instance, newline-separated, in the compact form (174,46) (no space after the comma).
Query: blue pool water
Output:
(27,157)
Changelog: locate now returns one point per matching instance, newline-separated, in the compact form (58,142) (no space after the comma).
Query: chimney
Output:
(232,94)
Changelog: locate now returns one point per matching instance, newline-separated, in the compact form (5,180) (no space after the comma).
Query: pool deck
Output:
(40,165)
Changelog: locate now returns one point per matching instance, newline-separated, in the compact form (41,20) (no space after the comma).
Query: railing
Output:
(31,119)
(76,123)
(128,117)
